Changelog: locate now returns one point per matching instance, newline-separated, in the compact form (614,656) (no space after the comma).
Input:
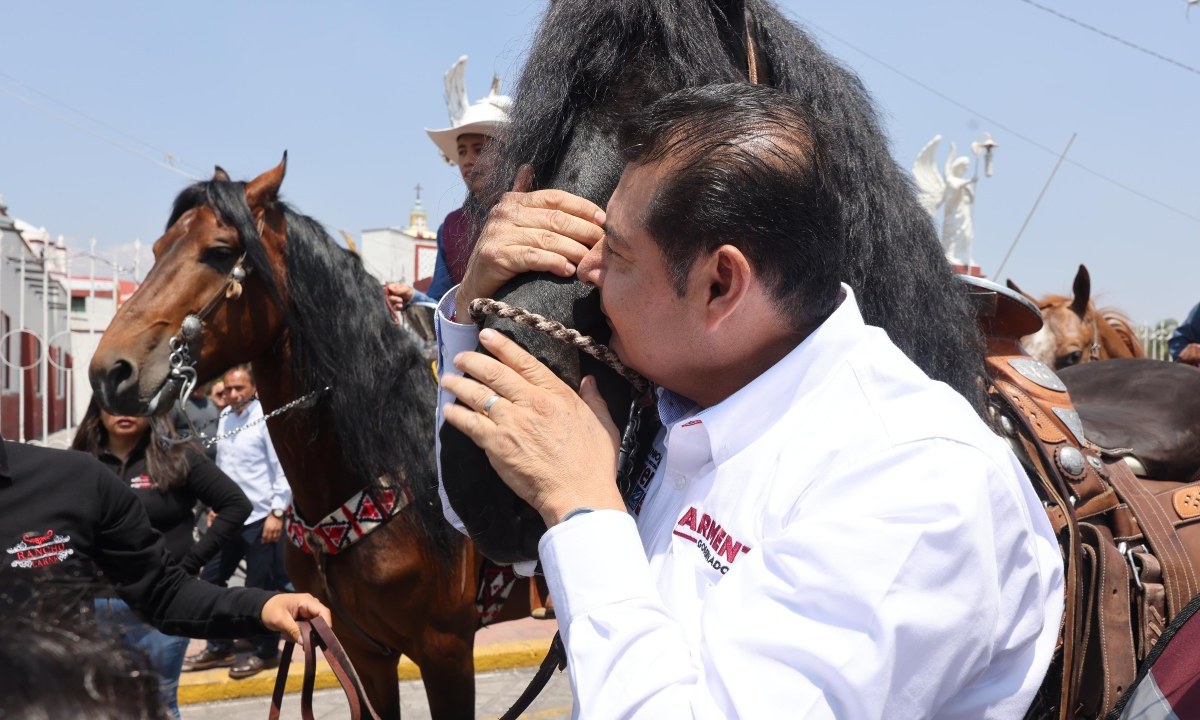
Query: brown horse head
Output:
(194,275)
(1074,331)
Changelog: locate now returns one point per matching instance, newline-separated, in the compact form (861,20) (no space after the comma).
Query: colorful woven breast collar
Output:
(353,520)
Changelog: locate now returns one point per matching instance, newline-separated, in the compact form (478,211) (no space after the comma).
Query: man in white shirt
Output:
(822,531)
(248,457)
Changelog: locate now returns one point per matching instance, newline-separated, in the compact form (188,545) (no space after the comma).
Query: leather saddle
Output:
(1131,547)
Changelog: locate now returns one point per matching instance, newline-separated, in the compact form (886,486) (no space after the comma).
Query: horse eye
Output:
(1069,360)
(218,254)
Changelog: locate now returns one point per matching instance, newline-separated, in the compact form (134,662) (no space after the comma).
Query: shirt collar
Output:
(245,410)
(732,424)
(136,453)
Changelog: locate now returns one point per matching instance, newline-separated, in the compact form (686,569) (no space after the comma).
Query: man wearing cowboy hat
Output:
(472,127)
(462,144)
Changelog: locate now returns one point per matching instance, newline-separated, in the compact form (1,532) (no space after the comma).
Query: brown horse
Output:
(270,287)
(1074,331)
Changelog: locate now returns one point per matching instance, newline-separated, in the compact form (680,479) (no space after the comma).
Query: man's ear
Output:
(727,278)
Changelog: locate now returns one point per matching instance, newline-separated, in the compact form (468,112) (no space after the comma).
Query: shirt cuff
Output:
(595,559)
(453,337)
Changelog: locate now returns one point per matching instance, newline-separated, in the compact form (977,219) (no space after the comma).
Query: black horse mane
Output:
(342,335)
(572,78)
(576,86)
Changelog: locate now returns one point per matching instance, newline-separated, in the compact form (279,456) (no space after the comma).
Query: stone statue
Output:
(954,190)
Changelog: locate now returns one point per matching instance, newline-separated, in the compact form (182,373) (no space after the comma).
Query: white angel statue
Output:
(484,117)
(456,92)
(955,191)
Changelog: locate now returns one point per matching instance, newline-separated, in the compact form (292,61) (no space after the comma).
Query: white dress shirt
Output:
(249,458)
(841,538)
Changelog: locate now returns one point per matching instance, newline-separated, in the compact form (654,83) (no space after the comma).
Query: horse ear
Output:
(219,174)
(262,190)
(1015,288)
(1083,291)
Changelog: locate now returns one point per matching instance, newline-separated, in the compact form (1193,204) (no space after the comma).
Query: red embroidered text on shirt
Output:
(713,541)
(39,549)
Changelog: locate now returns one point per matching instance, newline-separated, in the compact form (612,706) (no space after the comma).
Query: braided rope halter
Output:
(480,308)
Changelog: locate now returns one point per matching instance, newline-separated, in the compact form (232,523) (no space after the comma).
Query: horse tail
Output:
(1123,328)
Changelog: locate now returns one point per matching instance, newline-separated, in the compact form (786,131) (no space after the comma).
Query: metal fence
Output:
(1154,338)
(54,305)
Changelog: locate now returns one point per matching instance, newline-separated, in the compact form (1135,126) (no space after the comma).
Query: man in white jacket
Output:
(821,530)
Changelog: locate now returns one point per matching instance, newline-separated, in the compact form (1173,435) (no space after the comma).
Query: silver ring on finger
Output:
(487,404)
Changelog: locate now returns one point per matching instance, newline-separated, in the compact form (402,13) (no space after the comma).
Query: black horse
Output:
(575,89)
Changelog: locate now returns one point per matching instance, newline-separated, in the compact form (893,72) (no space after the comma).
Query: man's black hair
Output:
(58,666)
(745,166)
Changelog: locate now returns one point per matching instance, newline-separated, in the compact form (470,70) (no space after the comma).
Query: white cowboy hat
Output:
(486,117)
(482,118)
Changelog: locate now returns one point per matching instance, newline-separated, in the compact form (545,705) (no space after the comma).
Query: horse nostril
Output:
(120,375)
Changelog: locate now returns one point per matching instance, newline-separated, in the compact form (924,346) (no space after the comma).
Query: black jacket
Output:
(63,516)
(172,512)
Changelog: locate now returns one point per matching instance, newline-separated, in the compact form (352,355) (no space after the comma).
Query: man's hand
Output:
(398,295)
(543,231)
(212,516)
(282,611)
(1190,355)
(272,528)
(555,449)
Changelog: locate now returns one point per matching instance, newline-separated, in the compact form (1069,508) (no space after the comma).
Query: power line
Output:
(1110,36)
(98,121)
(1038,201)
(1009,130)
(89,131)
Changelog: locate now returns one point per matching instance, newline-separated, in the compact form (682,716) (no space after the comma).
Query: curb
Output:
(212,685)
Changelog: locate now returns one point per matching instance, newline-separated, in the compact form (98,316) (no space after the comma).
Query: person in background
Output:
(216,393)
(216,396)
(401,294)
(463,144)
(71,529)
(169,478)
(1184,344)
(248,457)
(199,419)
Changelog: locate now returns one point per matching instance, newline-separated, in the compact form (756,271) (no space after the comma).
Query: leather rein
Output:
(316,634)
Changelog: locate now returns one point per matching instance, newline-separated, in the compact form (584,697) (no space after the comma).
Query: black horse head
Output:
(574,91)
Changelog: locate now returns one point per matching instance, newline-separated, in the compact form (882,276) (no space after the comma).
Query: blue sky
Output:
(346,88)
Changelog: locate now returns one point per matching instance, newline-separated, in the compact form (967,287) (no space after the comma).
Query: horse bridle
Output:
(1094,349)
(183,365)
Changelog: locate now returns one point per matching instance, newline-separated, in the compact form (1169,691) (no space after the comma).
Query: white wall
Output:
(389,255)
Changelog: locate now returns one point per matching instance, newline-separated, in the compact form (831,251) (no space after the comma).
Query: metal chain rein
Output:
(274,413)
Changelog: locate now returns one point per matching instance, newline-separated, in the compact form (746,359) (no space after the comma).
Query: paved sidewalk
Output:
(494,692)
(519,644)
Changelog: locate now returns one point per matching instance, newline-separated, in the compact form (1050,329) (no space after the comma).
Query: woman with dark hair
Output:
(169,479)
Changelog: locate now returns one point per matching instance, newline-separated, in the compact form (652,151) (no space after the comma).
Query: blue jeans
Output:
(165,652)
(264,569)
